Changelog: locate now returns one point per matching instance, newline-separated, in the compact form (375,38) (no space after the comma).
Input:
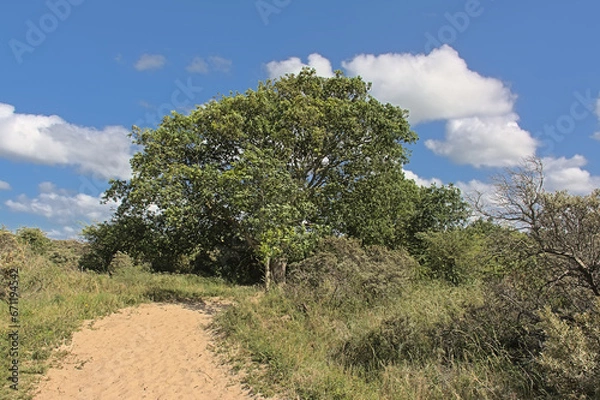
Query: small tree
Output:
(565,228)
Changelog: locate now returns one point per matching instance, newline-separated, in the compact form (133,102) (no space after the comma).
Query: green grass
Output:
(55,298)
(296,341)
(302,352)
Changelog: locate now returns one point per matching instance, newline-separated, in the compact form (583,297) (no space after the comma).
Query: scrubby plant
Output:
(343,275)
(35,238)
(570,358)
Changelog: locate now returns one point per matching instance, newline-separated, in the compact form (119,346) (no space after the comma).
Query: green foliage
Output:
(67,253)
(343,276)
(378,210)
(452,256)
(103,245)
(271,169)
(481,250)
(35,238)
(418,343)
(416,330)
(570,358)
(437,209)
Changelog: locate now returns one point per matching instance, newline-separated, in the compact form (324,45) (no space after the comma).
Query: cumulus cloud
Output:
(216,63)
(4,185)
(50,140)
(150,61)
(567,174)
(422,181)
(61,206)
(294,65)
(485,141)
(197,66)
(435,86)
(473,188)
(220,63)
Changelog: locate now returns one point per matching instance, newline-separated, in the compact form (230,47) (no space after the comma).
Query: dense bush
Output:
(570,358)
(35,238)
(343,275)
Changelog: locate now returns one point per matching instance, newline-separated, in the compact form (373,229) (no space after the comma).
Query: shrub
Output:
(452,256)
(571,354)
(35,238)
(343,275)
(415,329)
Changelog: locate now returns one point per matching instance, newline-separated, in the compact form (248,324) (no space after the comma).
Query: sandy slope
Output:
(155,351)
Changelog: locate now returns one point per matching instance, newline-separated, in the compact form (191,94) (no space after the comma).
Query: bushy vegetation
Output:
(365,323)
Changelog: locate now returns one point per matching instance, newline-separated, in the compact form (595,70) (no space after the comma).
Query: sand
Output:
(154,351)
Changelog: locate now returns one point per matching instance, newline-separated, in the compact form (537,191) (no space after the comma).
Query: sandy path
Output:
(155,351)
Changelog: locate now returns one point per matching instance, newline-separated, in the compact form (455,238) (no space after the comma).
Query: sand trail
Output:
(154,351)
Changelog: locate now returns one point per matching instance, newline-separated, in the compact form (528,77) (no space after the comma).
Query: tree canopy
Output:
(260,175)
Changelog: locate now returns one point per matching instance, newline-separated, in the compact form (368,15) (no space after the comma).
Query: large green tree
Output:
(268,171)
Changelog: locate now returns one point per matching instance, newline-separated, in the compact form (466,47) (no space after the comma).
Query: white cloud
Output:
(485,141)
(567,174)
(64,232)
(150,61)
(220,63)
(197,66)
(474,187)
(421,181)
(4,185)
(596,136)
(62,206)
(294,65)
(52,141)
(216,63)
(435,86)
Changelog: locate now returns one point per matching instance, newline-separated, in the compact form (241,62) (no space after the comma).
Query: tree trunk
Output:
(267,274)
(278,269)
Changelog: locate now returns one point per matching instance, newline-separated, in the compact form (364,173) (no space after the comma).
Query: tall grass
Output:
(408,342)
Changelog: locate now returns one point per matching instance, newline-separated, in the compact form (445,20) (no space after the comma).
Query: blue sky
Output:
(486,83)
